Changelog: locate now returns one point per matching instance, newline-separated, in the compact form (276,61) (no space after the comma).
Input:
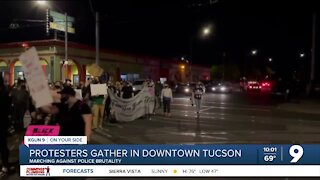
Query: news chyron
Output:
(59,156)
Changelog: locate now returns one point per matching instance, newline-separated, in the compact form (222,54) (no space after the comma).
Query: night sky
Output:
(164,27)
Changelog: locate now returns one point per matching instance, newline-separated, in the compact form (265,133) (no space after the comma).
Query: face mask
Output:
(64,99)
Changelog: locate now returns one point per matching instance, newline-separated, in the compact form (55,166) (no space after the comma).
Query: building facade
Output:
(117,65)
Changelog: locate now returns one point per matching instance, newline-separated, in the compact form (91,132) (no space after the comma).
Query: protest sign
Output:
(36,78)
(95,70)
(133,108)
(98,89)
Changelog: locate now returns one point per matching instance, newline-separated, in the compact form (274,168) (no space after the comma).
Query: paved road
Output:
(224,118)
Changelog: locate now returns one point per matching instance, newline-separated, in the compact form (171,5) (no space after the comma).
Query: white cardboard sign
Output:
(98,89)
(78,94)
(36,79)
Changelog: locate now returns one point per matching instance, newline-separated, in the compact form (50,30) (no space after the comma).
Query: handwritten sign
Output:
(98,89)
(126,110)
(42,130)
(78,94)
(36,78)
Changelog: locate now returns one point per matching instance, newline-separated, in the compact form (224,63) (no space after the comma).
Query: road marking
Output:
(205,109)
(224,104)
(233,118)
(104,132)
(227,108)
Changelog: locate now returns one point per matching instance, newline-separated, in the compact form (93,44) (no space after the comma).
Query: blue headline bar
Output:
(169,154)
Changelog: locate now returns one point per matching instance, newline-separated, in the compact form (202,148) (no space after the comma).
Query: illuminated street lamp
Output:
(41,3)
(302,55)
(270,59)
(206,31)
(254,52)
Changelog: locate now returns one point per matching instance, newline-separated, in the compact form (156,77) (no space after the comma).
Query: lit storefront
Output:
(117,65)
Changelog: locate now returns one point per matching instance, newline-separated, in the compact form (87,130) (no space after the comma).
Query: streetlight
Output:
(206,31)
(41,3)
(302,55)
(270,59)
(254,52)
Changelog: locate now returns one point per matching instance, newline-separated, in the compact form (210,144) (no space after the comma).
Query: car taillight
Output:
(250,87)
(259,87)
(265,84)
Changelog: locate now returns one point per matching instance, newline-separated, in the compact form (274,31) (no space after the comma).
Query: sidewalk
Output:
(303,106)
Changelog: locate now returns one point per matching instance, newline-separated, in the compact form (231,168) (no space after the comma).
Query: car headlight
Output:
(186,90)
(134,88)
(213,89)
(222,88)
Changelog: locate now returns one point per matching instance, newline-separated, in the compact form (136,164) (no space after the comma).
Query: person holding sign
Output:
(197,94)
(97,108)
(127,91)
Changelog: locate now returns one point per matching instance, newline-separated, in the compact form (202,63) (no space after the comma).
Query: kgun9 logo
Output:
(296,151)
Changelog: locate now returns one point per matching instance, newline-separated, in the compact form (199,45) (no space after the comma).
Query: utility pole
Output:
(97,39)
(190,60)
(223,65)
(65,62)
(313,54)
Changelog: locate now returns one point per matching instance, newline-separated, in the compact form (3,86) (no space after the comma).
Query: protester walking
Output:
(20,99)
(151,103)
(167,99)
(197,94)
(127,91)
(4,125)
(97,109)
(73,115)
(158,89)
(107,109)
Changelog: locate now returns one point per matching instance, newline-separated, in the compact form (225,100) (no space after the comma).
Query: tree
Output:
(231,72)
(216,72)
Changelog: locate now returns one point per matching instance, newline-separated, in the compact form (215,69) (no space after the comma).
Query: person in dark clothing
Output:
(4,124)
(127,91)
(158,89)
(20,97)
(111,89)
(73,115)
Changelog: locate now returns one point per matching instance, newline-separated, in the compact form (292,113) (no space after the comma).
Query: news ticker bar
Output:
(170,171)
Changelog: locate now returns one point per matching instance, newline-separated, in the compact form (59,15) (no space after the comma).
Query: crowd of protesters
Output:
(75,116)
